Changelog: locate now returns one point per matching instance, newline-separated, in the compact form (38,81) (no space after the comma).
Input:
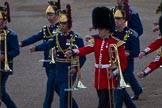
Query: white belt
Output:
(102,65)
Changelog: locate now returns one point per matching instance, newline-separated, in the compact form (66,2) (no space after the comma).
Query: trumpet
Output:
(52,60)
(79,82)
(6,66)
(114,60)
(52,56)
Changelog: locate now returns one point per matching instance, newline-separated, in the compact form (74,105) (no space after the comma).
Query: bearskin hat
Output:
(102,17)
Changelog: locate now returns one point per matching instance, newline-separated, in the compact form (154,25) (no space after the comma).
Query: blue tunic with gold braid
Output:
(9,42)
(62,43)
(12,47)
(132,48)
(135,22)
(45,34)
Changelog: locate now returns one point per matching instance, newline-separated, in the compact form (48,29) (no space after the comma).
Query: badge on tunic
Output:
(107,45)
(67,42)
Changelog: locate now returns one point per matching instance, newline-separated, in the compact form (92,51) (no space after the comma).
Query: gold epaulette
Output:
(120,43)
(91,41)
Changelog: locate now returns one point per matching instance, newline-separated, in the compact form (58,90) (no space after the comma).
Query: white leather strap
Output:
(102,65)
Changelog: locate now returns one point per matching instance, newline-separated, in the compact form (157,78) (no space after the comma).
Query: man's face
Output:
(2,23)
(102,32)
(52,18)
(64,26)
(119,22)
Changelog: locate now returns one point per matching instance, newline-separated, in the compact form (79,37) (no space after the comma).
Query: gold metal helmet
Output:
(118,13)
(65,16)
(122,10)
(5,12)
(53,7)
(2,12)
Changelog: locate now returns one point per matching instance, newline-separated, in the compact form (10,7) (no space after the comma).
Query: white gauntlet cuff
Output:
(115,72)
(146,71)
(75,51)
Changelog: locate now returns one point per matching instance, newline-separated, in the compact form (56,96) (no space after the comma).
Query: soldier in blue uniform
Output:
(45,34)
(134,23)
(63,41)
(9,49)
(132,49)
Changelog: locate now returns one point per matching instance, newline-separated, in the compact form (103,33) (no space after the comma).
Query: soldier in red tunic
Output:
(158,59)
(149,49)
(105,76)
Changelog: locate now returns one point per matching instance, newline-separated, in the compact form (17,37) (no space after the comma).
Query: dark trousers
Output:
(130,78)
(121,96)
(5,96)
(50,87)
(106,98)
(64,95)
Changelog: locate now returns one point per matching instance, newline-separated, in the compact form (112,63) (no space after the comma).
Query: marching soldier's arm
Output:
(150,68)
(83,50)
(153,46)
(12,45)
(45,46)
(32,39)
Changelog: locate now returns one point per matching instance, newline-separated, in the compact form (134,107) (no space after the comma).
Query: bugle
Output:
(52,60)
(52,56)
(114,60)
(79,81)
(6,66)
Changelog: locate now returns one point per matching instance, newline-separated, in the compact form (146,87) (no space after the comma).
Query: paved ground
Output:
(27,85)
